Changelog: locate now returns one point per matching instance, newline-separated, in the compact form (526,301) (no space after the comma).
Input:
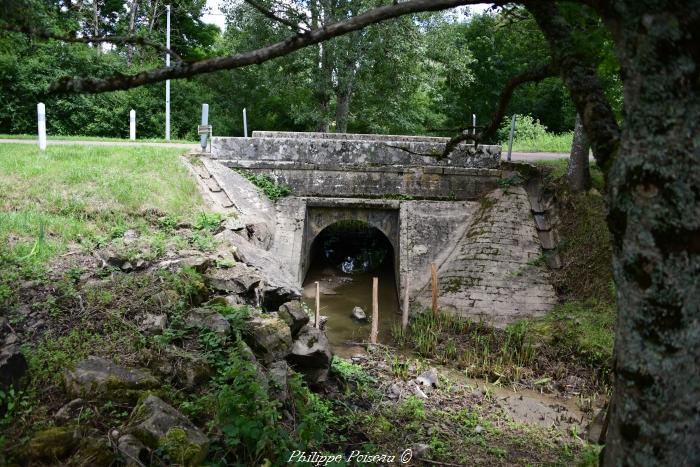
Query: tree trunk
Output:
(578,172)
(132,27)
(654,217)
(342,110)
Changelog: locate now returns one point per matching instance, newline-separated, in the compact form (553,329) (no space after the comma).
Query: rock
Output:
(595,428)
(198,263)
(478,429)
(273,296)
(322,321)
(133,450)
(189,369)
(234,224)
(420,451)
(208,319)
(311,355)
(395,391)
(428,379)
(11,339)
(358,358)
(159,426)
(130,236)
(269,337)
(150,323)
(52,443)
(99,377)
(418,392)
(277,375)
(69,411)
(93,452)
(238,279)
(13,365)
(359,314)
(294,315)
(110,256)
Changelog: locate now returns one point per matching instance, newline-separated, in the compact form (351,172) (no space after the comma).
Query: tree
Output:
(578,173)
(652,169)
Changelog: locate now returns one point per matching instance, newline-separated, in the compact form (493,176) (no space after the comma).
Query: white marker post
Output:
(132,125)
(41,123)
(510,138)
(167,82)
(245,124)
(473,124)
(205,122)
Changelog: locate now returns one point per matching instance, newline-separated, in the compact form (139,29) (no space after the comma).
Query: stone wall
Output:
(497,271)
(374,182)
(357,152)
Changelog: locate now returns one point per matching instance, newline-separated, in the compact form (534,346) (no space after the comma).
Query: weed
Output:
(209,221)
(266,184)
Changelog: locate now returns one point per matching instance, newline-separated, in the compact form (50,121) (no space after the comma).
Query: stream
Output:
(344,261)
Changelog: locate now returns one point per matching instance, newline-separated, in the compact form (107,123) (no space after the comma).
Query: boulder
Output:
(428,379)
(209,319)
(294,315)
(322,321)
(69,411)
(187,368)
(13,365)
(269,337)
(100,377)
(160,426)
(95,452)
(595,428)
(238,279)
(277,376)
(151,323)
(53,443)
(311,355)
(358,314)
(166,298)
(133,450)
(273,296)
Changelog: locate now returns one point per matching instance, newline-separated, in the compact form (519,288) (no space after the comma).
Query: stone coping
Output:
(291,165)
(348,136)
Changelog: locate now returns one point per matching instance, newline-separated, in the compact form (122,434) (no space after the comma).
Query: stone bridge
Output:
(430,210)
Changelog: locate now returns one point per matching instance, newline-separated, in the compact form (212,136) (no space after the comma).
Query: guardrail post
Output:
(41,123)
(132,125)
(510,138)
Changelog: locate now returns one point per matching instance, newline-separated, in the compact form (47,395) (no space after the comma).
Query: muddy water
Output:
(341,292)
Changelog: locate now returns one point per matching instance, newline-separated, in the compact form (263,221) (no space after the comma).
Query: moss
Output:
(180,450)
(92,452)
(52,443)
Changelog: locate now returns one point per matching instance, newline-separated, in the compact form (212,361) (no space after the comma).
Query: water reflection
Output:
(345,258)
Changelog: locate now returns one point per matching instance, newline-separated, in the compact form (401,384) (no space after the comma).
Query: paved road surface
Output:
(516,156)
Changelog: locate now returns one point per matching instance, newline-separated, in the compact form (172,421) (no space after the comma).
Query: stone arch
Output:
(318,218)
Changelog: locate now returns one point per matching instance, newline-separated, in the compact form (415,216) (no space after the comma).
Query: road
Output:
(516,156)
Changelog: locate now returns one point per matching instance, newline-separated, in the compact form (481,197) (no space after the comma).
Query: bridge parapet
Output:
(318,164)
(375,152)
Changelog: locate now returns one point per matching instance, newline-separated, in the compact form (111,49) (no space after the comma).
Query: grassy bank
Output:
(83,197)
(95,138)
(548,142)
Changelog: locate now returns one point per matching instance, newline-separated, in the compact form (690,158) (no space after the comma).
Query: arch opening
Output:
(343,258)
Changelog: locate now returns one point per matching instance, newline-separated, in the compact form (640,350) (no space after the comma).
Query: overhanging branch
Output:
(582,80)
(530,76)
(274,17)
(291,44)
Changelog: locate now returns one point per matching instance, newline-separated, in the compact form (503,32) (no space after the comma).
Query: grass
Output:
(52,198)
(549,142)
(85,196)
(96,138)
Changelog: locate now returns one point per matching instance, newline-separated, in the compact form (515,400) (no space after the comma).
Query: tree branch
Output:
(274,17)
(291,44)
(47,35)
(530,76)
(581,79)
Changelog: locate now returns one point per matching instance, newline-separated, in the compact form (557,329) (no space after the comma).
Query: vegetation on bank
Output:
(532,136)
(96,138)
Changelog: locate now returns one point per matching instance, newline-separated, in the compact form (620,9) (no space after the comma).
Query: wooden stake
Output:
(404,316)
(317,321)
(375,310)
(433,271)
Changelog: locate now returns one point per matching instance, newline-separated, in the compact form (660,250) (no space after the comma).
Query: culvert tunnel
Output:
(344,257)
